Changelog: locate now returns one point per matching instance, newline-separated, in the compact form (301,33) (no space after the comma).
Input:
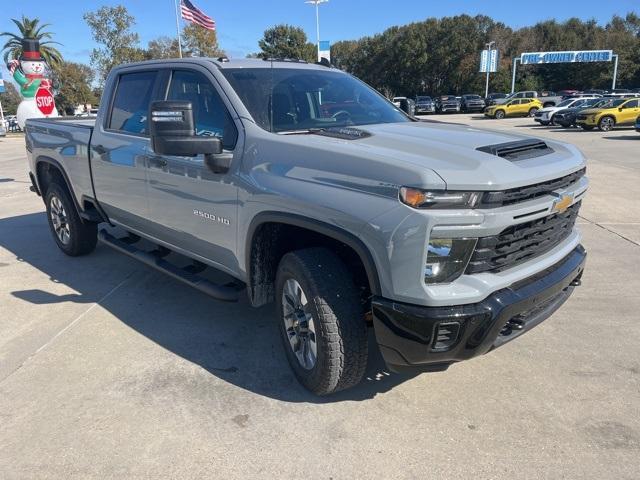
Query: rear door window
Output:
(131,102)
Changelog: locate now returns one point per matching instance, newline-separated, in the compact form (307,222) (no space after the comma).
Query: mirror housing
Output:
(172,131)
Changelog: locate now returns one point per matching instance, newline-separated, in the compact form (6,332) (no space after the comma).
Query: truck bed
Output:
(65,141)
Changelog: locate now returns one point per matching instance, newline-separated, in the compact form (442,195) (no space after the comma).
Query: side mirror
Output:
(172,132)
(620,109)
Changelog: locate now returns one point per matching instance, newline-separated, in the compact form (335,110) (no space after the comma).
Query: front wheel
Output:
(73,236)
(321,321)
(532,112)
(606,124)
(499,114)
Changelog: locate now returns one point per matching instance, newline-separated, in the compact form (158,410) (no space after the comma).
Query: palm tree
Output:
(29,28)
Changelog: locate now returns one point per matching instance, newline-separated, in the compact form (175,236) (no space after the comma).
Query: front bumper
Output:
(425,109)
(418,338)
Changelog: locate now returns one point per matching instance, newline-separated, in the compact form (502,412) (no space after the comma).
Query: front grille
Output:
(529,192)
(522,242)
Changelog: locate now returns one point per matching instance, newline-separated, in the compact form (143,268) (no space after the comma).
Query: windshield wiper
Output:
(303,131)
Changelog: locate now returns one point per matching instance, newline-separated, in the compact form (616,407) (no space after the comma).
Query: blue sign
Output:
(576,56)
(489,60)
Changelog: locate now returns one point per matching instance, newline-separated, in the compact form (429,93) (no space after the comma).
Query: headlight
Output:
(447,258)
(417,198)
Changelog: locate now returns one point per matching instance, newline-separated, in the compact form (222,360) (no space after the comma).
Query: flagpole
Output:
(178,29)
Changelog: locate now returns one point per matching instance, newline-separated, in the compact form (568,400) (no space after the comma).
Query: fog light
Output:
(447,258)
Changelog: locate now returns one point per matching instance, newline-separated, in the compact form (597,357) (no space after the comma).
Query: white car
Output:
(544,116)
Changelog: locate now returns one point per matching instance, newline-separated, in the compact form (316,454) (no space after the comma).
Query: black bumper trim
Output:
(407,333)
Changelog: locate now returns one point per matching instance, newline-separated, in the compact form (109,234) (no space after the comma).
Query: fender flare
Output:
(323,228)
(65,177)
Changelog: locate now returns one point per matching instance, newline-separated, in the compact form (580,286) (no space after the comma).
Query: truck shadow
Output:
(234,342)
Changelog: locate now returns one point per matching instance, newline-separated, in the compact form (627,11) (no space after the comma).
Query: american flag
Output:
(193,14)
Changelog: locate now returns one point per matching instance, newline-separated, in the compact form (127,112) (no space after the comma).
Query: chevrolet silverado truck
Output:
(299,185)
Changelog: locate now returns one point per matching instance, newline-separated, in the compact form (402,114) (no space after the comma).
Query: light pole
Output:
(488,45)
(317,4)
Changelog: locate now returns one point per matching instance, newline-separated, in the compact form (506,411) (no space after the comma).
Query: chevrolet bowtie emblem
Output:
(563,202)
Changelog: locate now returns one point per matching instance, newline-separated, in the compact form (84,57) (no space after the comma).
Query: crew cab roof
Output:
(225,63)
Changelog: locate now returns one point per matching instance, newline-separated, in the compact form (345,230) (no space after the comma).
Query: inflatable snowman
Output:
(29,72)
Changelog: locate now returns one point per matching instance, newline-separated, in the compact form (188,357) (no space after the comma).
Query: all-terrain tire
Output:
(78,237)
(334,303)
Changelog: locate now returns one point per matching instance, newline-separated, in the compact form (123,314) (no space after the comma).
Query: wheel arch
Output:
(47,170)
(269,238)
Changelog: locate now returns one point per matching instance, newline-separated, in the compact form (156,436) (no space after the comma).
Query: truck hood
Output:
(451,152)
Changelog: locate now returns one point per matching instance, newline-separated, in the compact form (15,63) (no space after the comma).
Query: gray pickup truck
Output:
(303,186)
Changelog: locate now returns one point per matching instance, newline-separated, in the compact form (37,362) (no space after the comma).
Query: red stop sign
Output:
(44,101)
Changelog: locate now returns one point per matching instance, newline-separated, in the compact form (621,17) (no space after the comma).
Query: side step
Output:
(188,275)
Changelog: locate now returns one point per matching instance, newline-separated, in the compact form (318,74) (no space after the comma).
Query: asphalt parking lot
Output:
(111,370)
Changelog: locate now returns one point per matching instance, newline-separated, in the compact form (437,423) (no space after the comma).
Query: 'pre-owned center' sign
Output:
(578,56)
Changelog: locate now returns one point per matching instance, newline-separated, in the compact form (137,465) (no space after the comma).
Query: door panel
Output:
(629,112)
(190,206)
(120,148)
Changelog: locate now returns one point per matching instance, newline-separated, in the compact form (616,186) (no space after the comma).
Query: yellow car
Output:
(623,111)
(519,107)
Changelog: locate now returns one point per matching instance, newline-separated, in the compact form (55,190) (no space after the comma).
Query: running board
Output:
(188,275)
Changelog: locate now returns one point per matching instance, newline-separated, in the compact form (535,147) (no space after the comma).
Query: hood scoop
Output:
(344,133)
(519,150)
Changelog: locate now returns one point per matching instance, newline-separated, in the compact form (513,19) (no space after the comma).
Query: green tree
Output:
(72,84)
(162,47)
(200,42)
(30,28)
(287,41)
(111,27)
(10,99)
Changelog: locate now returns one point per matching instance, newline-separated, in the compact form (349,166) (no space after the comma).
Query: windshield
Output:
(472,97)
(293,99)
(565,103)
(423,99)
(617,103)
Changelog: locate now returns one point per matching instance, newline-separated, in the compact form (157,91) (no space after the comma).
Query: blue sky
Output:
(241,22)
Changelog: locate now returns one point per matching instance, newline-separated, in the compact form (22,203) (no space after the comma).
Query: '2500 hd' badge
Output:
(211,217)
(563,202)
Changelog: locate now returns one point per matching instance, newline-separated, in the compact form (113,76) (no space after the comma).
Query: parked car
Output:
(405,104)
(425,104)
(472,103)
(3,131)
(596,91)
(12,122)
(620,112)
(518,107)
(547,99)
(299,208)
(546,115)
(447,104)
(492,97)
(567,117)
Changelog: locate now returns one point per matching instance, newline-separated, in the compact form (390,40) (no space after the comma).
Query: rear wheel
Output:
(532,111)
(321,321)
(499,114)
(606,124)
(73,236)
